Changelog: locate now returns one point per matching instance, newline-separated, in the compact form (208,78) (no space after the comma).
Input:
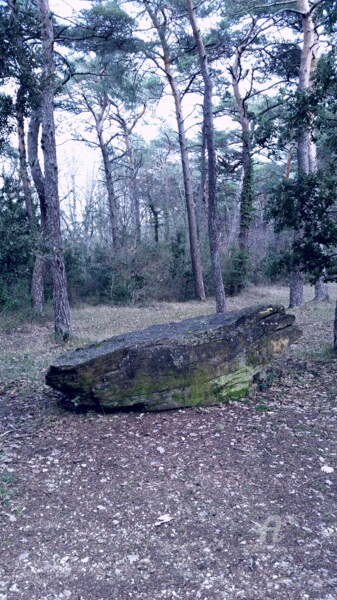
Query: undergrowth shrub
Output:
(151,272)
(16,248)
(237,272)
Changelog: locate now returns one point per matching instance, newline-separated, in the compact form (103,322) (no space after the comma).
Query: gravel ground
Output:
(221,503)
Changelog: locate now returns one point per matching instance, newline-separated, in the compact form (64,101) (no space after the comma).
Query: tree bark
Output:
(127,129)
(40,264)
(38,276)
(155,214)
(213,228)
(110,190)
(321,290)
(133,185)
(188,184)
(37,283)
(62,320)
(235,223)
(166,205)
(296,288)
(306,149)
(246,199)
(24,175)
(202,204)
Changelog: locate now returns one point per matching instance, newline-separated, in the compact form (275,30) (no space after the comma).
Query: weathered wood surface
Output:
(195,362)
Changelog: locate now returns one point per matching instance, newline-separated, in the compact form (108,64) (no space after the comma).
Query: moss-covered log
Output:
(195,362)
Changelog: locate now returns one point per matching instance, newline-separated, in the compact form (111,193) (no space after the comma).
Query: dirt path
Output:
(221,503)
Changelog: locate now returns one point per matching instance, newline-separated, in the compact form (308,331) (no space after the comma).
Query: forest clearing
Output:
(160,160)
(231,501)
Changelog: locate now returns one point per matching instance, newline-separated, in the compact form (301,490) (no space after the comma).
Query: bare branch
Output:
(276,4)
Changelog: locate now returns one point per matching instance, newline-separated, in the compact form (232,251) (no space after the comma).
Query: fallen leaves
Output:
(167,518)
(327,469)
(171,505)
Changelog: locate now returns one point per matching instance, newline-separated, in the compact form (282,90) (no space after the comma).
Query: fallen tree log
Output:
(195,362)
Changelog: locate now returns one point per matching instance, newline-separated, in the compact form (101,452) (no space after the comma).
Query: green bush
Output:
(238,271)
(16,248)
(151,272)
(277,267)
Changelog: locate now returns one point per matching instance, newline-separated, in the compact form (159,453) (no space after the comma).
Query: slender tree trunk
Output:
(17,40)
(321,290)
(166,203)
(288,165)
(246,198)
(213,228)
(24,175)
(38,275)
(321,287)
(165,192)
(40,265)
(188,184)
(37,283)
(110,190)
(235,224)
(100,120)
(203,180)
(296,288)
(306,153)
(133,187)
(62,320)
(155,214)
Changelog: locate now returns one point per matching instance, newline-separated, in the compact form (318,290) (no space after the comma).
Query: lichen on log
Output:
(196,362)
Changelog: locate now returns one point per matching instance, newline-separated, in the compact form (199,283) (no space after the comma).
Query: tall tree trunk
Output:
(246,200)
(21,103)
(40,264)
(235,224)
(306,152)
(188,184)
(110,190)
(155,214)
(166,204)
(213,228)
(288,164)
(62,320)
(127,129)
(296,288)
(100,118)
(246,197)
(321,287)
(133,186)
(24,175)
(201,206)
(321,290)
(37,283)
(38,275)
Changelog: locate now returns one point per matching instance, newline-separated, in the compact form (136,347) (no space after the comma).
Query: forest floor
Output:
(230,502)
